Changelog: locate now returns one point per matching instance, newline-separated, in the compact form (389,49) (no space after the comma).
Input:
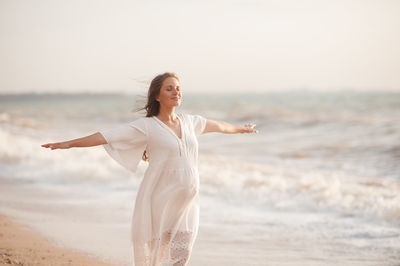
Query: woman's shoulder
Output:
(194,119)
(186,116)
(139,122)
(192,116)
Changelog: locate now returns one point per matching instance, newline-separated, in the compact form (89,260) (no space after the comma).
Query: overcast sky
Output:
(213,45)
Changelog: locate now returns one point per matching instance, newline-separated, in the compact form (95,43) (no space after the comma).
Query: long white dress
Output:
(166,213)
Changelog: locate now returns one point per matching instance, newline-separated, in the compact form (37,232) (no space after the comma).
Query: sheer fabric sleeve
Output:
(126,143)
(199,124)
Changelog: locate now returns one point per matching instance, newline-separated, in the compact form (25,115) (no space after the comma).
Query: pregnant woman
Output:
(166,214)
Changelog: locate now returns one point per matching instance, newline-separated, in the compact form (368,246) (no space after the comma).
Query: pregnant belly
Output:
(186,179)
(175,193)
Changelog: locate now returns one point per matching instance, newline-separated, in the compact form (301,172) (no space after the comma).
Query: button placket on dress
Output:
(181,140)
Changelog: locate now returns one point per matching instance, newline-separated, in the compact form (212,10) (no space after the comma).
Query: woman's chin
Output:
(173,105)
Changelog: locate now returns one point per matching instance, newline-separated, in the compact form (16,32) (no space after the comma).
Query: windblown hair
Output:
(152,106)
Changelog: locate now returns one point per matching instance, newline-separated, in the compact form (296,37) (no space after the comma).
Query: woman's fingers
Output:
(52,146)
(251,129)
(48,145)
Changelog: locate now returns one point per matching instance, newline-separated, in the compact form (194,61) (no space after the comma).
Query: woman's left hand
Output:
(249,128)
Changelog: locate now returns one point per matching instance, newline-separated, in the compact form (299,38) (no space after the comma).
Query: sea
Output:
(318,185)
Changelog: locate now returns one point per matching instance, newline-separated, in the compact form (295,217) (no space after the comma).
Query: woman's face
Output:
(170,93)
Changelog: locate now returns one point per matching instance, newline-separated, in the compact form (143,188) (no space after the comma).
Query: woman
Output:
(166,213)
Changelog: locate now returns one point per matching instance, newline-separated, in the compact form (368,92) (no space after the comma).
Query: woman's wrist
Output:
(66,144)
(241,129)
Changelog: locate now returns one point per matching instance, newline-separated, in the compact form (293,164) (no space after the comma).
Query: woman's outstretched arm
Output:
(225,127)
(91,140)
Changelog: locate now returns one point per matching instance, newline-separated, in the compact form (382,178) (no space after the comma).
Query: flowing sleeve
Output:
(126,143)
(199,124)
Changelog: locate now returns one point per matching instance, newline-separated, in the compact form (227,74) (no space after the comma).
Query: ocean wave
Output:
(23,158)
(301,189)
(20,121)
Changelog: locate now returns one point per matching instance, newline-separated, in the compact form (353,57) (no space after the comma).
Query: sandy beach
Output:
(20,245)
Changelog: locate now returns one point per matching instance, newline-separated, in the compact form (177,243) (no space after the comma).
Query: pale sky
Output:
(213,45)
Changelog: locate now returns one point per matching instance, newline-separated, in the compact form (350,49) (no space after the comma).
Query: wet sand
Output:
(20,245)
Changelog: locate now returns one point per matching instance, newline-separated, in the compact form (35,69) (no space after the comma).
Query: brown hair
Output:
(152,106)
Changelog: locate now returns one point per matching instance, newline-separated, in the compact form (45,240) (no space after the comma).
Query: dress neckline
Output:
(169,129)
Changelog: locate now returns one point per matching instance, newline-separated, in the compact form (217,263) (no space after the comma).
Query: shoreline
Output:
(74,227)
(21,245)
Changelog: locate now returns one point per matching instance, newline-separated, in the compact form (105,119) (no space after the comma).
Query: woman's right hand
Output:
(57,145)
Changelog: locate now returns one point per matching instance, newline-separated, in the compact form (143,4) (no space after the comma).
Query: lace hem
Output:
(173,252)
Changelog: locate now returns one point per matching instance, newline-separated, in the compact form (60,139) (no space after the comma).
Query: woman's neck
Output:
(167,114)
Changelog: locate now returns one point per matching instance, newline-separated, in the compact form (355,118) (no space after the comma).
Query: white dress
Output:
(166,214)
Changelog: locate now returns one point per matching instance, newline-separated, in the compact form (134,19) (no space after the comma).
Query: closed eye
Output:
(170,87)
